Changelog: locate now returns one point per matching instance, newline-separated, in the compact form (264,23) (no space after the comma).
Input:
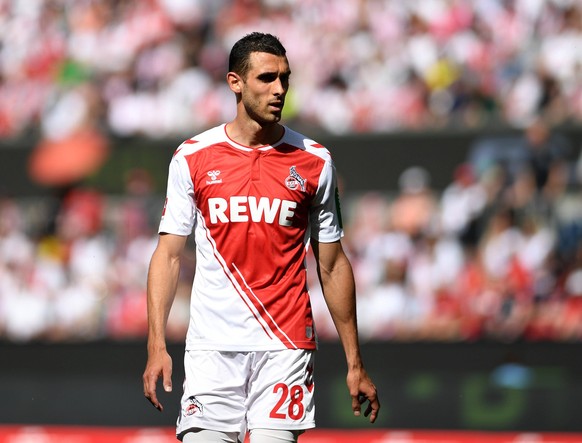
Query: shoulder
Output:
(201,141)
(306,144)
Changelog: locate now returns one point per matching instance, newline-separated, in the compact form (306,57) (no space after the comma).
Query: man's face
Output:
(265,86)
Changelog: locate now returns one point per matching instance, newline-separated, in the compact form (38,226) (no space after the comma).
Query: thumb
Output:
(167,379)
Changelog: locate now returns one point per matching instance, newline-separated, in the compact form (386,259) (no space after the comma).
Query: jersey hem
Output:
(328,239)
(310,346)
(283,427)
(164,230)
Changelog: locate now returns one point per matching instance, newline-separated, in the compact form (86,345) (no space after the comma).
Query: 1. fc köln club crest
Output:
(294,180)
(192,406)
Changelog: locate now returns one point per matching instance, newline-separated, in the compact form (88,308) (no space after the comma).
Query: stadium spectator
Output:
(515,276)
(447,63)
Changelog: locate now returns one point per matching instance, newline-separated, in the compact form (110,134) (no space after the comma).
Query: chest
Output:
(240,186)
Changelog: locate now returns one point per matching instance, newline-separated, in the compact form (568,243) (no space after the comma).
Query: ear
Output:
(234,82)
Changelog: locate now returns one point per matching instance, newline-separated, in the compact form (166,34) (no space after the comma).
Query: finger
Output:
(368,409)
(374,413)
(150,391)
(153,399)
(372,410)
(356,405)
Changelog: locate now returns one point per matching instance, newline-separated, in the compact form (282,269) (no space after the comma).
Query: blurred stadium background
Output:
(456,128)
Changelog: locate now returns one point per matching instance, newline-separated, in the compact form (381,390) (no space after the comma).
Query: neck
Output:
(252,134)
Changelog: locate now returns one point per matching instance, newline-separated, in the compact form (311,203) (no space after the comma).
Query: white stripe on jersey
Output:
(234,282)
(263,306)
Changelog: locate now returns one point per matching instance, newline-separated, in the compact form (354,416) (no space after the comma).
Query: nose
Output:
(279,87)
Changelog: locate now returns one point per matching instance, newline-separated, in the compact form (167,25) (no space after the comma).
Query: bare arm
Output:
(337,282)
(161,289)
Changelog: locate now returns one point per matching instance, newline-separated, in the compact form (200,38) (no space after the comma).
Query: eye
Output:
(268,77)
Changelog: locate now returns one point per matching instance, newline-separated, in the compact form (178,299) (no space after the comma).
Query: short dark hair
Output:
(239,59)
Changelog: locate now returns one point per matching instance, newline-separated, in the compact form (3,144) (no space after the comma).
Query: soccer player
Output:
(256,194)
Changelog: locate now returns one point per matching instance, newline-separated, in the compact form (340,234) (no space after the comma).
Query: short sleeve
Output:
(180,207)
(325,215)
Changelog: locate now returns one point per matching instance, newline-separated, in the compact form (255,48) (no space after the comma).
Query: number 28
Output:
(295,394)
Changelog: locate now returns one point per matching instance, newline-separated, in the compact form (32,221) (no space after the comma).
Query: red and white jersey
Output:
(253,212)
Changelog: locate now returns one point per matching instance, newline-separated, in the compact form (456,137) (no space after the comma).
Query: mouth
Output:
(277,105)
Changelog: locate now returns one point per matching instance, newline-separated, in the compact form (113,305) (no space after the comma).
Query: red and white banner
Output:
(73,434)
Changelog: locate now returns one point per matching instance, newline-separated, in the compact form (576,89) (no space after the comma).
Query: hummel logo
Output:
(213,177)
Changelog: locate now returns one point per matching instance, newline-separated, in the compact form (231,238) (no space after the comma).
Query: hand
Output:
(159,364)
(361,390)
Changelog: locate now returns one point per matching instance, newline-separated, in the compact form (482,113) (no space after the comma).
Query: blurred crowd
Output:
(157,67)
(495,255)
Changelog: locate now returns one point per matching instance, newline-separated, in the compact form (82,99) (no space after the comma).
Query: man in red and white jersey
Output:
(255,194)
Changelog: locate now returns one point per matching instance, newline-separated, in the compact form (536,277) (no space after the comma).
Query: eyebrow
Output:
(268,74)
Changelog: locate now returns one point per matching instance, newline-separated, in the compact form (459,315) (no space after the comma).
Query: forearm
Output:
(161,289)
(339,292)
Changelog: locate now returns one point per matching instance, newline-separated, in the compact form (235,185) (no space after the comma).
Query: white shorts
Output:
(233,391)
